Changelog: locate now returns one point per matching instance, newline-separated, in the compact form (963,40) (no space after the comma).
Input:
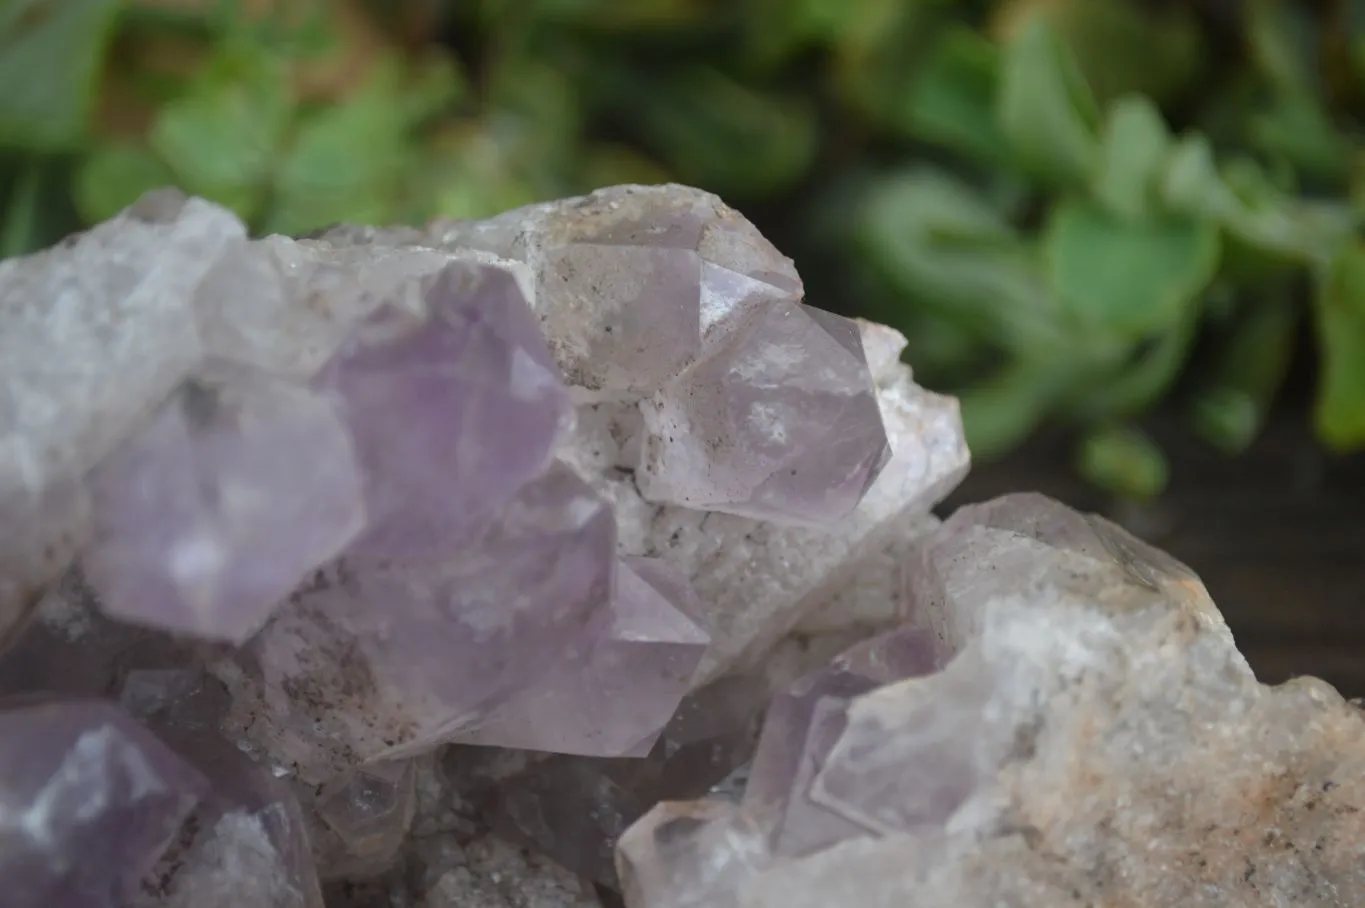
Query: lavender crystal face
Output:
(781,423)
(453,408)
(615,689)
(804,724)
(89,800)
(207,517)
(384,658)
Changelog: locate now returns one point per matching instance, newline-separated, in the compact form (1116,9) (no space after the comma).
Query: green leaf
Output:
(952,100)
(112,177)
(346,162)
(938,242)
(1133,387)
(999,413)
(715,131)
(1339,413)
(222,137)
(1296,128)
(1127,280)
(1133,154)
(1124,461)
(18,233)
(51,54)
(1231,403)
(1045,108)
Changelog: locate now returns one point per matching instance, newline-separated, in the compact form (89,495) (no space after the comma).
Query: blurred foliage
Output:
(1059,201)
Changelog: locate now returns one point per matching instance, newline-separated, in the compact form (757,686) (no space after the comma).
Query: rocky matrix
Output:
(420,568)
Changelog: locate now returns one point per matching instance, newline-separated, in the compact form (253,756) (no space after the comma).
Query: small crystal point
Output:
(240,485)
(781,423)
(453,408)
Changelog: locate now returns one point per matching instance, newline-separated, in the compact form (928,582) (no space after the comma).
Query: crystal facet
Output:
(453,409)
(206,518)
(616,688)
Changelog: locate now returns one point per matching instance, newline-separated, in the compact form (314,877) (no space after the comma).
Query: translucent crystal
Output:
(615,689)
(453,408)
(633,282)
(89,800)
(209,515)
(376,659)
(780,423)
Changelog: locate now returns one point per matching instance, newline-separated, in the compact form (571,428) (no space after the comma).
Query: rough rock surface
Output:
(1095,739)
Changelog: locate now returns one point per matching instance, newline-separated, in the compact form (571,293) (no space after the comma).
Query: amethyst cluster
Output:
(282,518)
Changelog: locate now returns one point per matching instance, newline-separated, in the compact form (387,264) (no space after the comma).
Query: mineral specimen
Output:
(1095,738)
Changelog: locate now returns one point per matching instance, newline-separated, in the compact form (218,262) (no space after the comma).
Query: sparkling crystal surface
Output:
(209,515)
(381,658)
(453,409)
(89,800)
(615,689)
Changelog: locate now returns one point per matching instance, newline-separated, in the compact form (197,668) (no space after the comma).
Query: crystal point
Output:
(781,423)
(454,407)
(240,485)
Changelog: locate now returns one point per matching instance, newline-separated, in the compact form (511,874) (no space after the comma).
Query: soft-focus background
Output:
(1125,232)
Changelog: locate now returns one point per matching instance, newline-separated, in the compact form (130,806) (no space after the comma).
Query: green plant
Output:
(1077,210)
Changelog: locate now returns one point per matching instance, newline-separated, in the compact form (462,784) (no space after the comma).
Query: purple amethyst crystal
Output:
(208,516)
(453,409)
(780,423)
(89,800)
(615,689)
(803,724)
(385,658)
